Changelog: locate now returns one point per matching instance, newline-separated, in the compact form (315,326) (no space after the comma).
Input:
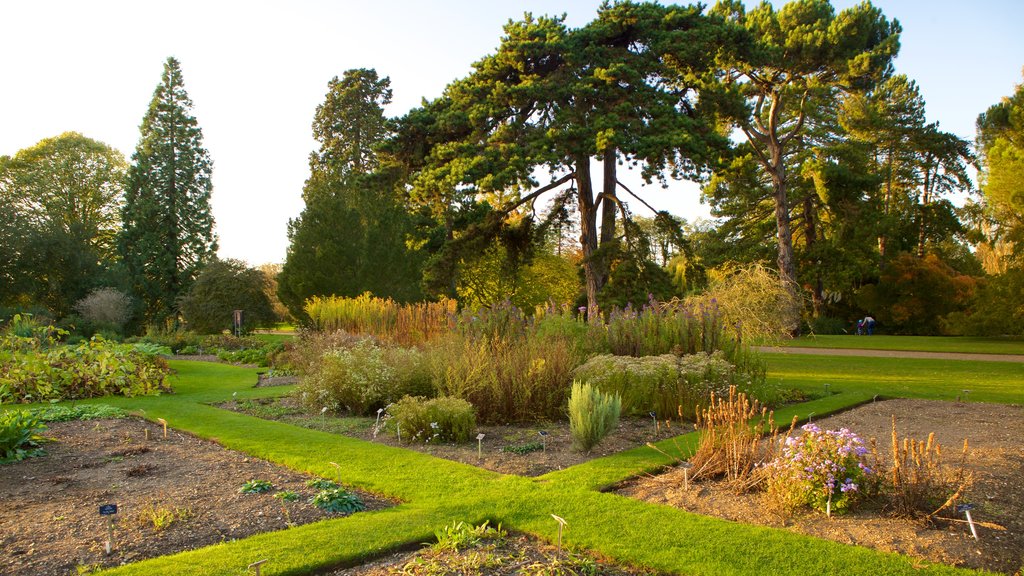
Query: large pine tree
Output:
(168,228)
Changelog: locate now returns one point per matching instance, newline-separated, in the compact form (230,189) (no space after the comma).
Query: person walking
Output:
(869,324)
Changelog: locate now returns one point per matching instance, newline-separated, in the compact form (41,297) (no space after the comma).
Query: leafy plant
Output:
(459,535)
(322,484)
(151,349)
(287,496)
(79,412)
(592,415)
(256,487)
(337,501)
(433,420)
(524,448)
(161,517)
(822,469)
(19,436)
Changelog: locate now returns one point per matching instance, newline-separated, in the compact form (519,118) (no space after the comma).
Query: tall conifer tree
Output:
(168,228)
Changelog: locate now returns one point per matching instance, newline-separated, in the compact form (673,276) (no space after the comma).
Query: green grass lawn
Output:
(437,492)
(1001,382)
(275,338)
(964,344)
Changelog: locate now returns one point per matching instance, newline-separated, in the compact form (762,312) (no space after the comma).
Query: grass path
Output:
(436,492)
(955,344)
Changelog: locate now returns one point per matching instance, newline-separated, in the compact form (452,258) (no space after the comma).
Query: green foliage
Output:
(256,486)
(287,496)
(592,415)
(322,484)
(997,308)
(527,448)
(19,435)
(337,501)
(1001,148)
(261,356)
(913,294)
(668,385)
(221,287)
(30,372)
(460,536)
(60,203)
(151,349)
(167,233)
(382,318)
(58,413)
(364,378)
(823,469)
(432,420)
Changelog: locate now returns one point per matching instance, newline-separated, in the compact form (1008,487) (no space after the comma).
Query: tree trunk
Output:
(786,261)
(811,233)
(588,233)
(609,209)
(922,213)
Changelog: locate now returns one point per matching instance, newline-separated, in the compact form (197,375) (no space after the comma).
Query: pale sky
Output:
(257,70)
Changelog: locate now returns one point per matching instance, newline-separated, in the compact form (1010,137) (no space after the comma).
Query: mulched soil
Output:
(51,522)
(554,451)
(996,456)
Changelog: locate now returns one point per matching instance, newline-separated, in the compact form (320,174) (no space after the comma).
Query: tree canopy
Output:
(167,233)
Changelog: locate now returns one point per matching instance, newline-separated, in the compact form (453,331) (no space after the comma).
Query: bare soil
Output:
(51,522)
(497,451)
(996,456)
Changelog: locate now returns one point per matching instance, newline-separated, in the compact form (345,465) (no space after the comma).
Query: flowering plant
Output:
(821,469)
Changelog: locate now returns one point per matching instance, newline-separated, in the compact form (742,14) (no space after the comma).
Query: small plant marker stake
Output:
(164,424)
(323,418)
(145,432)
(256,565)
(543,439)
(338,466)
(686,474)
(809,416)
(480,445)
(376,425)
(561,524)
(966,394)
(966,509)
(109,510)
(655,418)
(827,391)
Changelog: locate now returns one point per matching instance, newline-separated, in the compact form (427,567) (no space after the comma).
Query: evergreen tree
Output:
(168,228)
(351,235)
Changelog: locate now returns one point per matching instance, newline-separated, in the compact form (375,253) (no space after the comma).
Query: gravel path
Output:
(892,354)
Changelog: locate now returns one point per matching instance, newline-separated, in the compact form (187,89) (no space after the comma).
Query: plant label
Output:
(108,509)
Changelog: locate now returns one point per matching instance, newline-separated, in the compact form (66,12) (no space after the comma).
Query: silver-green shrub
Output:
(592,415)
(443,419)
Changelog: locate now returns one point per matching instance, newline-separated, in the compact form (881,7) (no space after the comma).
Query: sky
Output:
(256,72)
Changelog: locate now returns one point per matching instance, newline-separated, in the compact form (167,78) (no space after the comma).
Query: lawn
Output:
(962,344)
(436,492)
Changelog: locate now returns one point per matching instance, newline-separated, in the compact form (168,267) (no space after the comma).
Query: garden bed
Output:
(510,449)
(51,522)
(504,555)
(996,457)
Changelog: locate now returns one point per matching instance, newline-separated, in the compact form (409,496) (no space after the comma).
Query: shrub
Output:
(222,287)
(364,378)
(997,309)
(666,384)
(176,340)
(821,469)
(592,415)
(382,318)
(256,487)
(312,345)
(506,379)
(32,373)
(106,308)
(753,299)
(19,436)
(79,412)
(436,420)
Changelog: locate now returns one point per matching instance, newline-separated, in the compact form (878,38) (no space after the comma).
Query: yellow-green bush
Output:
(592,415)
(432,420)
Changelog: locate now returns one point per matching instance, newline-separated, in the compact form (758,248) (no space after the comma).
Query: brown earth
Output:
(497,450)
(996,456)
(51,523)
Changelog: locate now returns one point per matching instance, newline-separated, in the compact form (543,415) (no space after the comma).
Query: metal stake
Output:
(561,524)
(480,445)
(257,565)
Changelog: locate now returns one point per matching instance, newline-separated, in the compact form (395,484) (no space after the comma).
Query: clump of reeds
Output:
(921,482)
(737,434)
(383,318)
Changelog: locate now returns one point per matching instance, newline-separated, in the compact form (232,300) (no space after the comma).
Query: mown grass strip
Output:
(961,344)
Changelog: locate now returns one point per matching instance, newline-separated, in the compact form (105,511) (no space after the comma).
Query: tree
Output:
(352,234)
(167,235)
(1000,145)
(805,55)
(61,211)
(632,86)
(222,287)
